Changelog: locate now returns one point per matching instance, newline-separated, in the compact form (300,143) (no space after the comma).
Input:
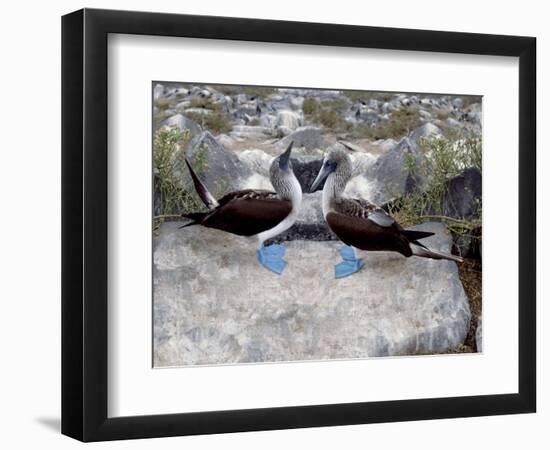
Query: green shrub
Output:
(366,95)
(401,123)
(310,106)
(205,103)
(174,198)
(330,118)
(329,113)
(442,115)
(259,91)
(468,100)
(446,159)
(217,122)
(255,91)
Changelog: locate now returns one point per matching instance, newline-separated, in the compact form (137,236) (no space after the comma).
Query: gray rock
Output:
(158,91)
(157,197)
(426,102)
(183,105)
(251,132)
(452,122)
(473,107)
(479,335)
(474,114)
(256,160)
(283,131)
(225,140)
(458,103)
(388,177)
(468,245)
(288,119)
(296,102)
(181,92)
(245,113)
(425,131)
(279,103)
(199,111)
(182,123)
(373,103)
(242,98)
(220,170)
(268,120)
(308,137)
(463,195)
(425,114)
(367,115)
(227,100)
(361,163)
(462,199)
(214,304)
(388,107)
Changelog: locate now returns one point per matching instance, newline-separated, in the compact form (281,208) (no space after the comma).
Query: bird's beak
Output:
(284,158)
(321,176)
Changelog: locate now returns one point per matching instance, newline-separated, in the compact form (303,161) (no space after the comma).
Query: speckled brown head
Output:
(282,177)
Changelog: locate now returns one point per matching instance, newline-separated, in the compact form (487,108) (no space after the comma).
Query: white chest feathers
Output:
(328,194)
(296,201)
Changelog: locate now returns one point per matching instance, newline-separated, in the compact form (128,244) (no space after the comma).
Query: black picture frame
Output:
(84,224)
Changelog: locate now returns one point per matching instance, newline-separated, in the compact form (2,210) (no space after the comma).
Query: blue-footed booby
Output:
(360,224)
(253,212)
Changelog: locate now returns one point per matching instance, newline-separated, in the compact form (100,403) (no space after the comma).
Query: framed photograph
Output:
(273,225)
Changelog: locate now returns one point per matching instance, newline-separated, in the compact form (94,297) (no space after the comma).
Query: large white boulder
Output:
(214,304)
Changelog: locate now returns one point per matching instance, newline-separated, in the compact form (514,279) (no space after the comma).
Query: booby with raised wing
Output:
(361,224)
(253,212)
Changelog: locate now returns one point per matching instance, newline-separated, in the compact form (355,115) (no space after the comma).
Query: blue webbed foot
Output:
(350,265)
(271,257)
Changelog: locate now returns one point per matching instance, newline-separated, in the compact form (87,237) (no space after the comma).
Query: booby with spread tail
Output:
(361,224)
(253,212)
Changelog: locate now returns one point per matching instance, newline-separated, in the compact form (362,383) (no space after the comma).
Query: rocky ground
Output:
(398,306)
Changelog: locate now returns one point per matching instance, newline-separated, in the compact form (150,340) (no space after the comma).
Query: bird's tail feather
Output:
(413,235)
(207,198)
(196,217)
(433,254)
(188,224)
